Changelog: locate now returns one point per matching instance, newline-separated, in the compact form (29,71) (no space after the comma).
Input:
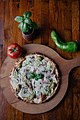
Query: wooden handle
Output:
(74,63)
(68,65)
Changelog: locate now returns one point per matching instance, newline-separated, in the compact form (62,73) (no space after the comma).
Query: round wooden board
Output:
(34,108)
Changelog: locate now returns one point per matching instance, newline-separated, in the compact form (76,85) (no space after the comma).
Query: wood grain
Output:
(64,17)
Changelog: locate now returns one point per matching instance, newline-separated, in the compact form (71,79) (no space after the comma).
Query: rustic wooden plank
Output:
(75,80)
(76,93)
(58,22)
(67,38)
(44,22)
(32,117)
(23,8)
(7,32)
(53,18)
(16,38)
(1,54)
(37,19)
(63,8)
(49,116)
(2,100)
(14,11)
(64,17)
(70,7)
(75,22)
(3,103)
(35,117)
(65,108)
(18,115)
(3,106)
(8,39)
(26,116)
(1,31)
(75,19)
(10,113)
(67,19)
(76,106)
(1,23)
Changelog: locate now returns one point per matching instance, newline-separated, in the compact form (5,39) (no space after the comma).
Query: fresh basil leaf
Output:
(19,18)
(27,14)
(20,26)
(28,21)
(25,28)
(34,76)
(39,76)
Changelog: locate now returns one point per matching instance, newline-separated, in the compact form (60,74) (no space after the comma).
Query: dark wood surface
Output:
(64,17)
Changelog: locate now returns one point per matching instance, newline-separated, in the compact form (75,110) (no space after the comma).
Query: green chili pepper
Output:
(66,46)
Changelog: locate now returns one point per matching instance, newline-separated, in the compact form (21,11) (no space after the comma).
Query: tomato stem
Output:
(13,50)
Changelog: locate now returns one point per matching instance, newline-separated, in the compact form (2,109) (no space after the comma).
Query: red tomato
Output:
(14,50)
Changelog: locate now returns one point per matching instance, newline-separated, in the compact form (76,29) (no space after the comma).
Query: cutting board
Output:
(64,66)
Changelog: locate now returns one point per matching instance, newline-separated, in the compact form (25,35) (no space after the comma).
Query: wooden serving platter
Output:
(65,67)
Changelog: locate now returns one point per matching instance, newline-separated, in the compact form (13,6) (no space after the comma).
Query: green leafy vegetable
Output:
(27,14)
(39,76)
(35,76)
(26,24)
(19,19)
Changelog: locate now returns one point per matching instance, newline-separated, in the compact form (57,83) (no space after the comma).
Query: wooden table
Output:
(64,17)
